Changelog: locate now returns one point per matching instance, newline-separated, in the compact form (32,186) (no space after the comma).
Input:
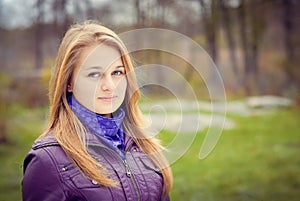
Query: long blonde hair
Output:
(69,131)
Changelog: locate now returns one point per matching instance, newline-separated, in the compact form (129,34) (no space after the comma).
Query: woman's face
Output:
(99,83)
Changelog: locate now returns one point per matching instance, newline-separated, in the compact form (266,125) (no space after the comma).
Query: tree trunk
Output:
(209,20)
(251,28)
(138,12)
(257,25)
(245,46)
(60,17)
(249,34)
(39,35)
(288,16)
(3,132)
(227,24)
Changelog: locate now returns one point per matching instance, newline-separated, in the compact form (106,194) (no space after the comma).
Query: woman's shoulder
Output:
(47,151)
(42,170)
(46,141)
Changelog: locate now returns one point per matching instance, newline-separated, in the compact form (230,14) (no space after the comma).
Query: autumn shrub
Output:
(30,92)
(5,83)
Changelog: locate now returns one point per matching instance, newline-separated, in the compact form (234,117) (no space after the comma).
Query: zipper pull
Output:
(128,172)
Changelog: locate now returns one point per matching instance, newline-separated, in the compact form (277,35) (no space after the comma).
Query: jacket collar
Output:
(109,129)
(50,140)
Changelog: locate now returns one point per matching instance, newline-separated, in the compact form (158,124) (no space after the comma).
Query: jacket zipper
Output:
(127,168)
(129,174)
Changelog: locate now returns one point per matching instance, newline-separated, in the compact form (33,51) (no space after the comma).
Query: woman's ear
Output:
(69,88)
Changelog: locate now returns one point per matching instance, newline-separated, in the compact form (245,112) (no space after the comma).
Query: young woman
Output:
(94,147)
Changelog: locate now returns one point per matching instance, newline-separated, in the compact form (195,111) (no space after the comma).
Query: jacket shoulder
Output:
(36,185)
(46,149)
(47,141)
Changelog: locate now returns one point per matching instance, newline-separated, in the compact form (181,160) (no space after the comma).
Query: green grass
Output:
(259,160)
(24,127)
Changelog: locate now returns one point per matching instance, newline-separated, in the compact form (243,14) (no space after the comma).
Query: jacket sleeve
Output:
(165,197)
(41,181)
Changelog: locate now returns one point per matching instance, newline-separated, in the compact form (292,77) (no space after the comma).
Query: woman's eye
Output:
(117,72)
(94,75)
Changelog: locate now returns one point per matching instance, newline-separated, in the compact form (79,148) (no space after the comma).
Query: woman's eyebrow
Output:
(100,68)
(94,68)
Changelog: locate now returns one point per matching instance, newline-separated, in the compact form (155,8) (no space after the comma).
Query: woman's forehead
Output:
(101,56)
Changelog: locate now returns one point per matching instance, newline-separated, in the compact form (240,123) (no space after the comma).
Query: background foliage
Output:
(254,44)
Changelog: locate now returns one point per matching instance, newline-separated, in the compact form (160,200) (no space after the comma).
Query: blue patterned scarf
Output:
(108,130)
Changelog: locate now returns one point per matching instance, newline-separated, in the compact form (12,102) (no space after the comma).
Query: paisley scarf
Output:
(107,129)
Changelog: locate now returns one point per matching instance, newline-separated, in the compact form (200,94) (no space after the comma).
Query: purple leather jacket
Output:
(50,176)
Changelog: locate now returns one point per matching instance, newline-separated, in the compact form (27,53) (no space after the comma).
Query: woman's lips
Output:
(107,98)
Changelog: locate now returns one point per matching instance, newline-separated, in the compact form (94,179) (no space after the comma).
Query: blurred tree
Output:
(163,7)
(264,31)
(245,43)
(59,21)
(39,33)
(5,83)
(89,9)
(208,16)
(83,10)
(59,11)
(139,14)
(227,22)
(290,42)
(187,15)
(251,27)
(103,13)
(1,16)
(2,35)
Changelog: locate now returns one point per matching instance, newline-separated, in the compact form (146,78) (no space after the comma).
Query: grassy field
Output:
(24,127)
(257,161)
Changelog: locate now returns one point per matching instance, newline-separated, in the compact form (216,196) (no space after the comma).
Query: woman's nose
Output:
(107,83)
